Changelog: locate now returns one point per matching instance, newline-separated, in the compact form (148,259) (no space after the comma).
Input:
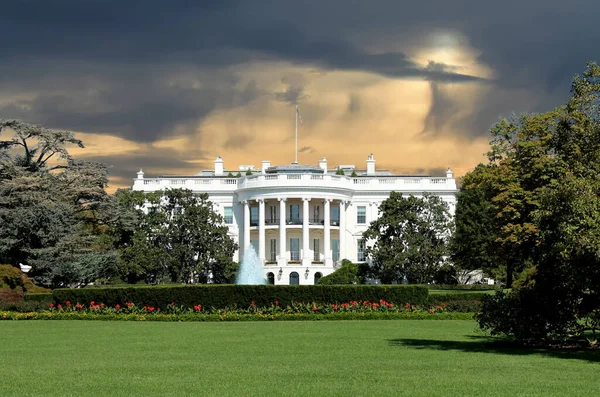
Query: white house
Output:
(301,219)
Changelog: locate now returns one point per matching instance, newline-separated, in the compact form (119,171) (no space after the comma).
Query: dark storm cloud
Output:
(108,66)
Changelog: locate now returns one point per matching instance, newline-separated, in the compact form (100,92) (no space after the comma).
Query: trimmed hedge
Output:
(466,287)
(467,302)
(42,297)
(222,296)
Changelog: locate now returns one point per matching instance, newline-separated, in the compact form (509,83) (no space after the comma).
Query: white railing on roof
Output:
(387,183)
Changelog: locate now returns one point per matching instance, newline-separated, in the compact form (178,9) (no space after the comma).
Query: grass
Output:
(344,358)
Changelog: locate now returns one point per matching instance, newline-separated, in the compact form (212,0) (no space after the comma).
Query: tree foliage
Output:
(347,273)
(551,217)
(409,239)
(179,238)
(51,207)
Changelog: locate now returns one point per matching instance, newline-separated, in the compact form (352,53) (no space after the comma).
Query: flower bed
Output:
(297,311)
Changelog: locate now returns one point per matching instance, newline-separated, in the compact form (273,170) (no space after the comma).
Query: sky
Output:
(167,86)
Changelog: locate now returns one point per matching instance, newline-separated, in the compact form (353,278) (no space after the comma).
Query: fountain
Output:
(251,271)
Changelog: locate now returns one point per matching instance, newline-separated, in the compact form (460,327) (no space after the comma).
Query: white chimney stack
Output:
(265,164)
(371,165)
(323,165)
(219,166)
(140,174)
(449,174)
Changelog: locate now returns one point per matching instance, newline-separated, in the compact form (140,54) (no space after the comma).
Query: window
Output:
(316,213)
(294,213)
(270,278)
(335,216)
(253,216)
(273,250)
(272,219)
(317,252)
(294,278)
(318,276)
(295,249)
(335,248)
(360,253)
(361,215)
(228,215)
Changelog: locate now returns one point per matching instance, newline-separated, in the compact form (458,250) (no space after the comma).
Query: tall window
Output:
(294,213)
(253,216)
(270,278)
(273,249)
(335,215)
(295,249)
(360,253)
(335,248)
(294,278)
(228,215)
(317,252)
(316,213)
(361,215)
(272,214)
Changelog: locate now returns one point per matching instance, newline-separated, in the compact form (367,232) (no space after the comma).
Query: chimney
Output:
(323,165)
(449,174)
(219,166)
(140,174)
(265,164)
(371,165)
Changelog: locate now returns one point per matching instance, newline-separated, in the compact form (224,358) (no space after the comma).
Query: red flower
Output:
(68,303)
(430,310)
(59,306)
(129,304)
(315,309)
(475,300)
(92,303)
(118,306)
(276,303)
(51,305)
(253,304)
(172,303)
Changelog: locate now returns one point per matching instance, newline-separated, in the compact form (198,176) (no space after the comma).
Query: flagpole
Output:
(296,134)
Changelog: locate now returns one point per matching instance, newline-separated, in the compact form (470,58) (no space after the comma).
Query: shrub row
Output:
(42,297)
(467,302)
(463,287)
(222,296)
(7,315)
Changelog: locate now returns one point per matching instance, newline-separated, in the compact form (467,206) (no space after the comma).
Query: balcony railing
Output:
(295,221)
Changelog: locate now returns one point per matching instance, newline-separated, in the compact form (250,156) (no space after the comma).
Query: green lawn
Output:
(344,358)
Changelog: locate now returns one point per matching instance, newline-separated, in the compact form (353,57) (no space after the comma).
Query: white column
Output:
(343,254)
(261,231)
(327,238)
(305,235)
(246,231)
(282,235)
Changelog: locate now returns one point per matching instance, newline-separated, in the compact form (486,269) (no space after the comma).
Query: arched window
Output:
(270,278)
(294,278)
(318,276)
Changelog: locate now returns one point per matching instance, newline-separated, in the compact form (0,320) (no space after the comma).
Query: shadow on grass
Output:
(483,344)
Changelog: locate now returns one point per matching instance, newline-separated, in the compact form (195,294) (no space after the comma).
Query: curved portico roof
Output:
(294,169)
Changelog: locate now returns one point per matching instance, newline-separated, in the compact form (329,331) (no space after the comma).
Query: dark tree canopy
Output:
(180,239)
(51,207)
(548,207)
(409,239)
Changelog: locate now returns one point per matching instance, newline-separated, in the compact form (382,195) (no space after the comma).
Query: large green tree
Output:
(554,204)
(179,238)
(409,239)
(51,207)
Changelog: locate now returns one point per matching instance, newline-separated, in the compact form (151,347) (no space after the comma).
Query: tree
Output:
(340,172)
(348,273)
(248,172)
(473,244)
(409,239)
(180,239)
(560,196)
(51,207)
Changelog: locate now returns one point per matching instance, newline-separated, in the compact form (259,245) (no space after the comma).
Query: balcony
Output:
(295,221)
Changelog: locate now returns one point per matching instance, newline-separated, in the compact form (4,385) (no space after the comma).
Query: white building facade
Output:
(302,220)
